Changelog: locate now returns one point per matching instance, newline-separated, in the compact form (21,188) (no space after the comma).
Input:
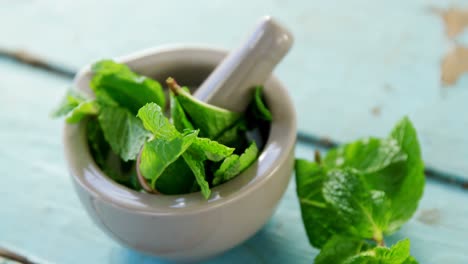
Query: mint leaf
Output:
(368,155)
(178,115)
(198,169)
(259,108)
(154,120)
(98,145)
(235,136)
(201,150)
(177,178)
(392,165)
(397,254)
(234,164)
(124,132)
(211,120)
(340,248)
(71,100)
(320,220)
(130,90)
(211,150)
(367,212)
(159,153)
(406,198)
(345,250)
(75,107)
(108,162)
(410,260)
(81,111)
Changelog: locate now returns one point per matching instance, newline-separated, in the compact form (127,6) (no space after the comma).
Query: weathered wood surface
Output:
(356,68)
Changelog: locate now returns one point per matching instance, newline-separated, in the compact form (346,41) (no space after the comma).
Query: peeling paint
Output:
(454,64)
(430,216)
(455,20)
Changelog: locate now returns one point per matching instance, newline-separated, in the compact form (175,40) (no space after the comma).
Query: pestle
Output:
(230,84)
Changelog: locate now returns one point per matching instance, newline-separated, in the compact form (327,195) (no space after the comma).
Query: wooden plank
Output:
(355,69)
(41,217)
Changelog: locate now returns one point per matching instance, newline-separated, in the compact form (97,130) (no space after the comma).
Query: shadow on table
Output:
(264,247)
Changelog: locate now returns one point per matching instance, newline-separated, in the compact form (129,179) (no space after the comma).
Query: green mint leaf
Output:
(201,150)
(397,254)
(346,250)
(320,220)
(124,132)
(211,120)
(410,260)
(367,212)
(235,164)
(391,165)
(198,168)
(98,145)
(259,108)
(82,110)
(130,90)
(107,161)
(367,155)
(71,100)
(211,150)
(235,136)
(154,120)
(405,199)
(177,178)
(179,118)
(159,153)
(340,248)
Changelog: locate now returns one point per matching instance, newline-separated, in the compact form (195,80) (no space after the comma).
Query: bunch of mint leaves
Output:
(198,147)
(360,192)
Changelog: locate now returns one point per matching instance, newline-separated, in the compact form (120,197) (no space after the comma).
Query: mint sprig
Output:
(362,191)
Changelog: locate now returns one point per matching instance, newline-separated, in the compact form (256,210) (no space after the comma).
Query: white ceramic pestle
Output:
(230,84)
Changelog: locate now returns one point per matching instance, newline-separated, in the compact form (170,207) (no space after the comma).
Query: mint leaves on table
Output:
(196,148)
(359,193)
(340,249)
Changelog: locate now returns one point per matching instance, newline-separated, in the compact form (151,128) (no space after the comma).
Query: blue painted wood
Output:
(351,59)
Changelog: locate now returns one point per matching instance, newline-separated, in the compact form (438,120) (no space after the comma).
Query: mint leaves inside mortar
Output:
(192,147)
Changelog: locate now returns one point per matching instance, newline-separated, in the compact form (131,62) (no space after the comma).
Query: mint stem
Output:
(317,157)
(144,184)
(173,85)
(379,240)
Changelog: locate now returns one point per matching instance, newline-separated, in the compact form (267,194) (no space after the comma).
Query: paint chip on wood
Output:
(376,110)
(455,20)
(430,216)
(454,64)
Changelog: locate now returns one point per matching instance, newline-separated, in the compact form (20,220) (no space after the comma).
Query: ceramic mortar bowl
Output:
(186,227)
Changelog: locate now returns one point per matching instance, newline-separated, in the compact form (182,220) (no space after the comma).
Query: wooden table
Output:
(356,68)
